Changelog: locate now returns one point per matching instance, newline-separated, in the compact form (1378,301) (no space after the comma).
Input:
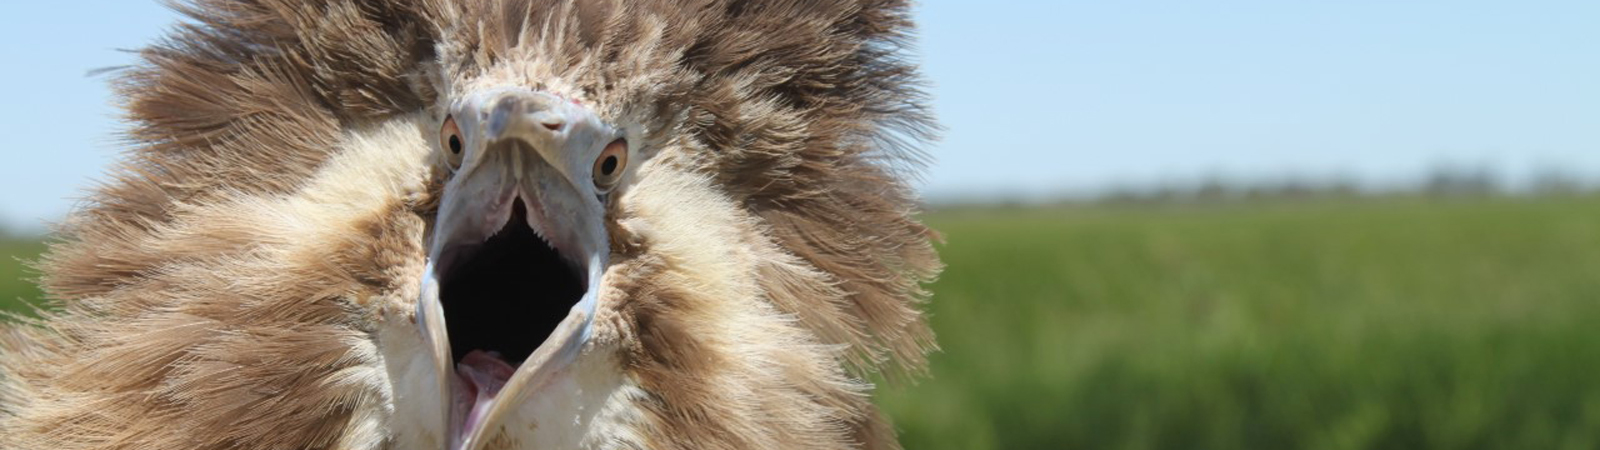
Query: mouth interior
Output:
(504,296)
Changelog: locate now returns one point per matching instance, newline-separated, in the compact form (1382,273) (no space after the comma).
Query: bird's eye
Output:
(450,140)
(609,166)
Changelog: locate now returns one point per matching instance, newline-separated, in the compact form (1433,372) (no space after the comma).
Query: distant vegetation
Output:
(1326,322)
(16,281)
(1444,181)
(1391,323)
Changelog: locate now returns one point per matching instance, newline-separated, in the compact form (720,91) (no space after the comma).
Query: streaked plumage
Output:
(250,276)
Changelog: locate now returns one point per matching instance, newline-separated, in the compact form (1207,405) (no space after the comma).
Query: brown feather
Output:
(193,308)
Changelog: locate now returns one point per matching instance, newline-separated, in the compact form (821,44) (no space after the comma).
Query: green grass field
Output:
(1350,324)
(16,280)
(1398,323)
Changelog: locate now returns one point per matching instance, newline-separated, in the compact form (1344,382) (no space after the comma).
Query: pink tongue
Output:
(482,374)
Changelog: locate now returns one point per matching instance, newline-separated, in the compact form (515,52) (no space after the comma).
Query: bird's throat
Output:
(505,312)
(503,295)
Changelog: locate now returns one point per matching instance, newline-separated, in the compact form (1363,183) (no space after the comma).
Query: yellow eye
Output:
(609,166)
(450,140)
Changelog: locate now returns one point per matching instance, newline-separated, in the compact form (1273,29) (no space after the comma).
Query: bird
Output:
(470,225)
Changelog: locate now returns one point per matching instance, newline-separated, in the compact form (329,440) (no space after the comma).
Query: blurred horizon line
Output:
(1443,177)
(1441,180)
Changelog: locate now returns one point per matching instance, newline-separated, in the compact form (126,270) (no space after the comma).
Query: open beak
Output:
(515,260)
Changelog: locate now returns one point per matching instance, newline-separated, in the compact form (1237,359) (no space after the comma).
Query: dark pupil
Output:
(608,166)
(455,144)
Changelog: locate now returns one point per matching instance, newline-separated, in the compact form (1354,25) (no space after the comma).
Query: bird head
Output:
(519,247)
(494,225)
(520,244)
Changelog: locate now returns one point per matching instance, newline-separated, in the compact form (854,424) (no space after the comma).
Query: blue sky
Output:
(1044,98)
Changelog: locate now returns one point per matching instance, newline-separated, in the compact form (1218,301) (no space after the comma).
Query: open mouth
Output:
(518,248)
(502,298)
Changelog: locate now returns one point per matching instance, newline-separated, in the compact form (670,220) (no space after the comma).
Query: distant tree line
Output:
(1446,181)
(1442,181)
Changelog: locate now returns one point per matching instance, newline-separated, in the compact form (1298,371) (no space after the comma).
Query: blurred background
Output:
(1197,225)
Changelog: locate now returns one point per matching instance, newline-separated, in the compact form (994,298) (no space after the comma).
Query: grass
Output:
(1398,323)
(16,286)
(1353,324)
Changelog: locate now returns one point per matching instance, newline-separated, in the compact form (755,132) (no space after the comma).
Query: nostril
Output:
(552,125)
